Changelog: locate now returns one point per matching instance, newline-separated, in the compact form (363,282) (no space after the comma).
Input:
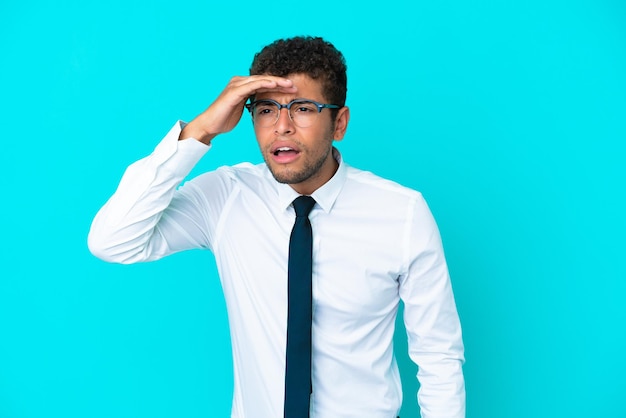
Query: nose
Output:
(284,124)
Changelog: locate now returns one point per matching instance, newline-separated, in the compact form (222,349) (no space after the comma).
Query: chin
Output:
(290,177)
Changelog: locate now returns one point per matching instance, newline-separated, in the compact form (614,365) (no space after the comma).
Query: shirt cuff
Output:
(179,156)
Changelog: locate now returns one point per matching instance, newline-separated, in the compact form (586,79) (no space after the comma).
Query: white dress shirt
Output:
(375,242)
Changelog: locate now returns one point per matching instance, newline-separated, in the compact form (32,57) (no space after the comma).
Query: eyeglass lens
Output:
(302,113)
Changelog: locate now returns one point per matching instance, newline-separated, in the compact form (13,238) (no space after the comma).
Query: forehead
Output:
(308,88)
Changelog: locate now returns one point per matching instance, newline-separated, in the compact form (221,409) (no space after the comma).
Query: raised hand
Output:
(225,112)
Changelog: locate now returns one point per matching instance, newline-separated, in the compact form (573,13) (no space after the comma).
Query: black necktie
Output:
(299,312)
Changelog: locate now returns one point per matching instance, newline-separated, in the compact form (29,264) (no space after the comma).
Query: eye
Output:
(264,108)
(304,107)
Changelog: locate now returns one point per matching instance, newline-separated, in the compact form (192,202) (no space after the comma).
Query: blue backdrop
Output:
(510,117)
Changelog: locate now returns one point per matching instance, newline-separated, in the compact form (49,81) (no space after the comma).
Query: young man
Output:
(312,298)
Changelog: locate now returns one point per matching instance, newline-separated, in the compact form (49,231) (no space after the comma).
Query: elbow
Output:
(98,246)
(105,247)
(115,249)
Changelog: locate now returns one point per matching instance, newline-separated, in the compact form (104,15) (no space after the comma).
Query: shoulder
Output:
(236,178)
(239,173)
(374,185)
(379,199)
(247,175)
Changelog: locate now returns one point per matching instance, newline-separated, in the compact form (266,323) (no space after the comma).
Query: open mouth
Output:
(285,151)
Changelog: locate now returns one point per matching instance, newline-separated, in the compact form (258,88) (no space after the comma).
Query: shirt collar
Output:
(325,196)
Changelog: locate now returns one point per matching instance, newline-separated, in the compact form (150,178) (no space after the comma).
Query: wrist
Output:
(191,130)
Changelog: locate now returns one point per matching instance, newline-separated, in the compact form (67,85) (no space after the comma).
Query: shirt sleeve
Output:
(431,320)
(147,218)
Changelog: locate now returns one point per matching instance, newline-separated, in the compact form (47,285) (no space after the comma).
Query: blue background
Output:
(508,116)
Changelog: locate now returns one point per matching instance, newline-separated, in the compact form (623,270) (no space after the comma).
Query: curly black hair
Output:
(308,55)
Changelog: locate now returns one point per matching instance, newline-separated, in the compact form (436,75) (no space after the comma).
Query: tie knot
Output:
(303,205)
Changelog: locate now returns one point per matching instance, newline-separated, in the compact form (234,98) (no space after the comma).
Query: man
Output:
(373,244)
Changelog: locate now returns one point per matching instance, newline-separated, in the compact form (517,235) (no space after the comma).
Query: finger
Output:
(263,83)
(264,78)
(277,90)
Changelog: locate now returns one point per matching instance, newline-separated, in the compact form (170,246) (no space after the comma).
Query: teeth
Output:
(282,149)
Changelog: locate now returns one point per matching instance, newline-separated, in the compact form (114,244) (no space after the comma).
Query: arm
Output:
(131,226)
(431,320)
(147,218)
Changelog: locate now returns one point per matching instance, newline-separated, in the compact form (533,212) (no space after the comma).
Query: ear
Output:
(341,123)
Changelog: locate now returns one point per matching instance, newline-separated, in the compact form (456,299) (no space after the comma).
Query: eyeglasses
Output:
(302,112)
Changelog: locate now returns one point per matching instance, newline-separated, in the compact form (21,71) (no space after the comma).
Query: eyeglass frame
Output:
(287,106)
